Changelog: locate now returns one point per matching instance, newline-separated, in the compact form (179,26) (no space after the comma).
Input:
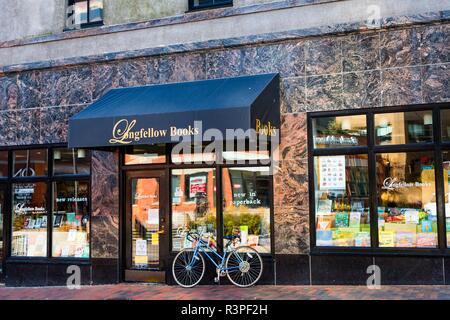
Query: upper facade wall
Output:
(27,18)
(210,25)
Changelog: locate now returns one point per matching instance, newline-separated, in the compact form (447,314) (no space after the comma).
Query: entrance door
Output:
(147,238)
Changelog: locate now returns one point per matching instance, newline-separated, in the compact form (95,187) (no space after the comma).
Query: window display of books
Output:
(342,224)
(407,228)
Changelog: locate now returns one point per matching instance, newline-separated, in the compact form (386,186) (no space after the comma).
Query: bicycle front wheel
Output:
(188,268)
(244,267)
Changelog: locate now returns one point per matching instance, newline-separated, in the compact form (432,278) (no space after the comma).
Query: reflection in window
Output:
(406,199)
(246,201)
(154,154)
(342,201)
(445,120)
(71,162)
(404,127)
(70,220)
(335,132)
(82,12)
(95,10)
(193,205)
(446,174)
(3,164)
(30,163)
(29,220)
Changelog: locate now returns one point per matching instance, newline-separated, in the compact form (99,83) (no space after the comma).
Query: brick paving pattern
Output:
(162,292)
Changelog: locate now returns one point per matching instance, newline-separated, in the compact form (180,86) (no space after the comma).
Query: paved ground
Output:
(161,292)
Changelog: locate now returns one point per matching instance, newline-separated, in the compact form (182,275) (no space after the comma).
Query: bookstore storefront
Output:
(123,158)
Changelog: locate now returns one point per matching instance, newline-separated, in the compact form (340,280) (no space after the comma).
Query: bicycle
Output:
(242,265)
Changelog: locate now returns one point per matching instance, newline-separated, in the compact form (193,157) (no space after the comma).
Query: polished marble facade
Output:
(394,66)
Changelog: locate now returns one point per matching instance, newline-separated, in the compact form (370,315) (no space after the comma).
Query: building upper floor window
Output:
(84,13)
(203,4)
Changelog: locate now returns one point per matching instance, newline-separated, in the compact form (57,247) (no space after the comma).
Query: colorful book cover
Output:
(44,222)
(426,240)
(324,207)
(324,235)
(37,223)
(355,219)
(324,222)
(57,221)
(362,239)
(405,239)
(412,216)
(427,226)
(386,239)
(341,220)
(71,217)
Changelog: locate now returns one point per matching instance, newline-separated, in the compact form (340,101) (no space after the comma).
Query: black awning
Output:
(158,113)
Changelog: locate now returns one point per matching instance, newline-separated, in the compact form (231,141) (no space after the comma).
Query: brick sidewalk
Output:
(162,292)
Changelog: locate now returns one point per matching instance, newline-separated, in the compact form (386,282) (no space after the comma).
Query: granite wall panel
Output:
(435,44)
(361,89)
(288,59)
(324,56)
(8,93)
(435,83)
(400,48)
(401,86)
(105,205)
(400,66)
(324,92)
(361,52)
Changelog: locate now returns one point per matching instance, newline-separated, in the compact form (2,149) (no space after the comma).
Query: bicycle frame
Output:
(201,247)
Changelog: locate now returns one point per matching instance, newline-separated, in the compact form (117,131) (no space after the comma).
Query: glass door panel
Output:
(145,222)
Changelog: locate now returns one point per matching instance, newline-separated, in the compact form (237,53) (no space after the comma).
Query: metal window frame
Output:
(437,146)
(9,181)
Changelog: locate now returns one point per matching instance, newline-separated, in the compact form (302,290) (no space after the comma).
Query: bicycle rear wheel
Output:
(244,267)
(187,270)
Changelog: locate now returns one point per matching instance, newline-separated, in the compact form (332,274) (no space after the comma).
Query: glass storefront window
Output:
(193,204)
(71,162)
(246,206)
(407,214)
(342,200)
(30,163)
(445,124)
(29,220)
(155,154)
(3,164)
(404,127)
(337,132)
(446,174)
(70,220)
